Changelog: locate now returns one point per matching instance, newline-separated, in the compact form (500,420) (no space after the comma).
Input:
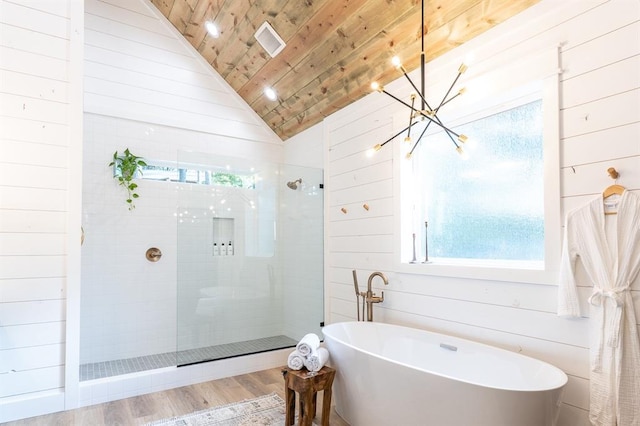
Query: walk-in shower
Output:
(224,286)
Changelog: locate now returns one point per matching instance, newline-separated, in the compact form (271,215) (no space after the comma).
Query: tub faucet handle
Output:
(377,299)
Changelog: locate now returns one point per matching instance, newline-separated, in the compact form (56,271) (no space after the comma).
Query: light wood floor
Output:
(174,402)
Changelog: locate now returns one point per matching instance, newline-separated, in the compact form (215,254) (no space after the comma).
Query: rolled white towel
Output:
(295,361)
(317,359)
(308,344)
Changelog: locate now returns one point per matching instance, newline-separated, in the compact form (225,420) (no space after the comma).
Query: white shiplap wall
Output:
(40,146)
(600,127)
(138,67)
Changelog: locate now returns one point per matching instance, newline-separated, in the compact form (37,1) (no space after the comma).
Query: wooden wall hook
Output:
(365,206)
(613,173)
(343,210)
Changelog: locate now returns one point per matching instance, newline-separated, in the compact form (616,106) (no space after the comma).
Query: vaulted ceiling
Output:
(334,48)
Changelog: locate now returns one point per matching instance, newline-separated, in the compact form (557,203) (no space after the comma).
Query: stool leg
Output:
(326,406)
(291,406)
(313,404)
(306,402)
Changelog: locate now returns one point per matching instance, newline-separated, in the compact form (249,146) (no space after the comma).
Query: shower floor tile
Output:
(99,370)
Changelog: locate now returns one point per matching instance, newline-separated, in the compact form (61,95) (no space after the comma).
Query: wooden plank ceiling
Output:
(335,48)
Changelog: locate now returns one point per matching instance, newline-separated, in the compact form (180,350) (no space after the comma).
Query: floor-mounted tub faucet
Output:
(370,296)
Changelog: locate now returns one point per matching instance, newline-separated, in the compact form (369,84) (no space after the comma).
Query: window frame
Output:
(543,67)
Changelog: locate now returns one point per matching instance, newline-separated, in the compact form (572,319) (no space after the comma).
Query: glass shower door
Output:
(235,290)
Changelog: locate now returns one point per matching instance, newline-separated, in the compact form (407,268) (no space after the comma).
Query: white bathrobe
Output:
(608,248)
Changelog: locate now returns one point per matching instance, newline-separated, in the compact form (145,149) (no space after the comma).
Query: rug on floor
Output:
(265,410)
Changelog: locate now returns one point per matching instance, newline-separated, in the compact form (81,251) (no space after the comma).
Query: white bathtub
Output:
(392,375)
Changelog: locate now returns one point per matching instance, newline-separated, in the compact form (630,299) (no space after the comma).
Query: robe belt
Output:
(599,297)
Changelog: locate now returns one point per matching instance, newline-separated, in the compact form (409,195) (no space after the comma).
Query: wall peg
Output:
(343,210)
(365,206)
(613,173)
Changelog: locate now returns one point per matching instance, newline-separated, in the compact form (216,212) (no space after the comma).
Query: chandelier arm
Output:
(449,132)
(420,93)
(419,139)
(424,101)
(449,100)
(413,100)
(435,118)
(398,134)
(455,80)
(438,122)
(431,120)
(399,100)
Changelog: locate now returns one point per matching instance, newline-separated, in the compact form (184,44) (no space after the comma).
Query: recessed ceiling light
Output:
(270,93)
(212,29)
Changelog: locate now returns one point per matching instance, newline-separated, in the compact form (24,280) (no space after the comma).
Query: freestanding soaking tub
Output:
(393,375)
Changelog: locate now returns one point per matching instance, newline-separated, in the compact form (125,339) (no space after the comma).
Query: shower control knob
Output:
(153,254)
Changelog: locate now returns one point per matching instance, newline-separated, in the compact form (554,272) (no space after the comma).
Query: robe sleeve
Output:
(568,304)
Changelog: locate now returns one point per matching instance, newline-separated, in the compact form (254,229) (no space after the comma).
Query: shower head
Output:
(294,184)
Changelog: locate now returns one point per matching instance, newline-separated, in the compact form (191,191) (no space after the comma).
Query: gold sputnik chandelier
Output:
(425,112)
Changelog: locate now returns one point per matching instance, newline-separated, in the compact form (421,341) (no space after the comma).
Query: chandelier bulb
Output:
(377,148)
(462,91)
(462,68)
(396,62)
(462,138)
(376,86)
(407,139)
(408,156)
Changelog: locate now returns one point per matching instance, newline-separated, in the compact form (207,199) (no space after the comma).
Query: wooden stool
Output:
(307,385)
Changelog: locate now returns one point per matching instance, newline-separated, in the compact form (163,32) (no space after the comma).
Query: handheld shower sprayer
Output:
(358,295)
(355,284)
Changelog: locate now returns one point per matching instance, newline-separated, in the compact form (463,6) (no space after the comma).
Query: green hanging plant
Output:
(125,168)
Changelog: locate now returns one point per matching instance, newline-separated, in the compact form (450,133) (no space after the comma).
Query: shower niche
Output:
(223,236)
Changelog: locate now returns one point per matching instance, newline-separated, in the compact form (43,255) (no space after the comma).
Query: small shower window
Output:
(197,176)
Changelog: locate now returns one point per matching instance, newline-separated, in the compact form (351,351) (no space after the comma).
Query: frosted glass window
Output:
(490,205)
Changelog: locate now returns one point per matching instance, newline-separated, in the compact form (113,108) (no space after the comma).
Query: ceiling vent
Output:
(269,39)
